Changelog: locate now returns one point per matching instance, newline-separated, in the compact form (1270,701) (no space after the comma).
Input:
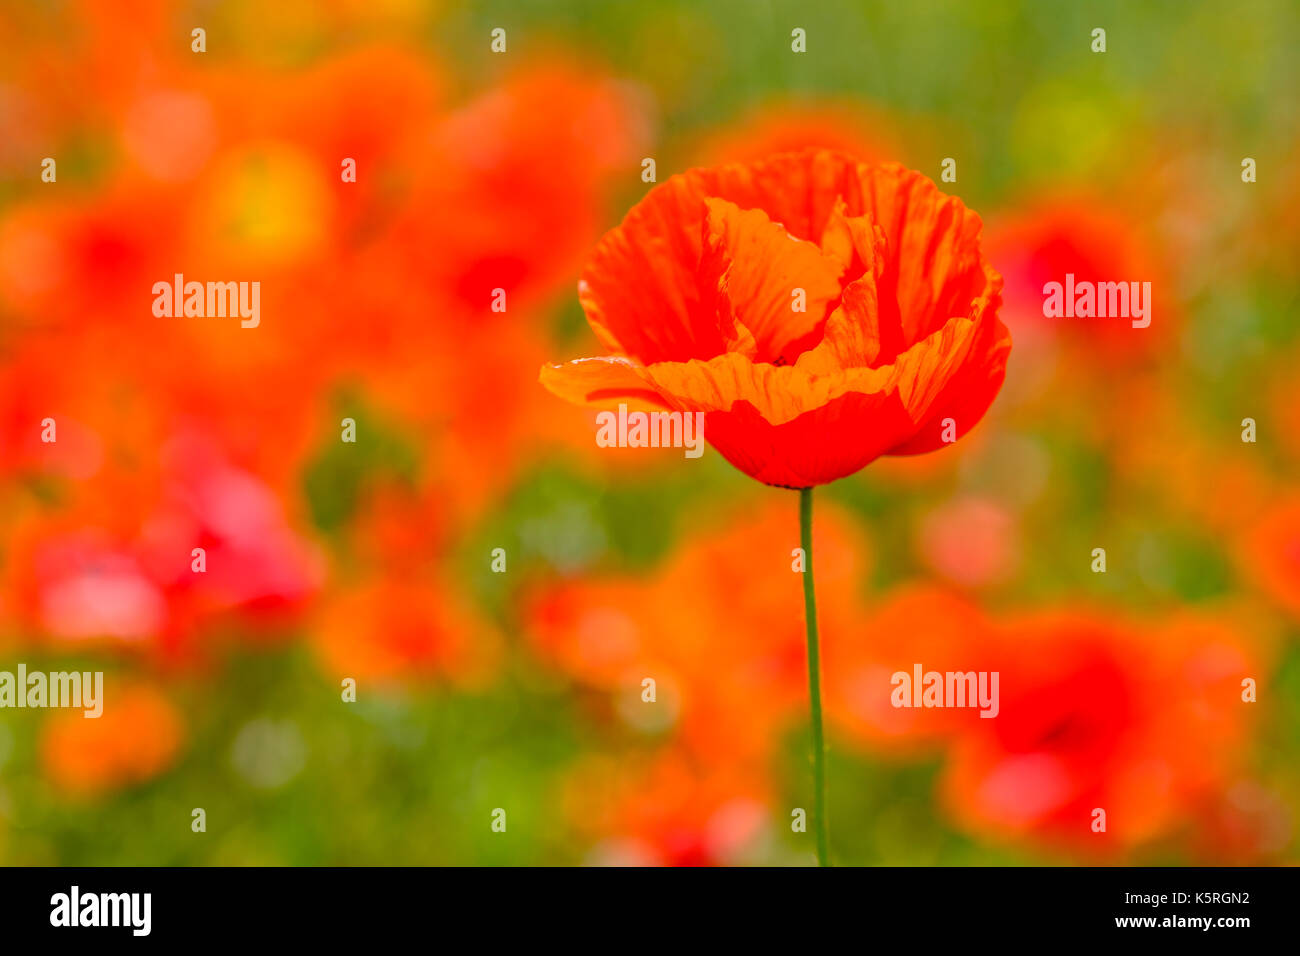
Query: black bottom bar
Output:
(1151,906)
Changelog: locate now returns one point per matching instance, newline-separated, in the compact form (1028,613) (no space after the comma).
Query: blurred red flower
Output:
(1141,721)
(667,810)
(1050,236)
(116,560)
(973,542)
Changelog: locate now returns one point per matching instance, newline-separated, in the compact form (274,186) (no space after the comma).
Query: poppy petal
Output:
(967,395)
(761,273)
(935,269)
(796,454)
(639,287)
(600,381)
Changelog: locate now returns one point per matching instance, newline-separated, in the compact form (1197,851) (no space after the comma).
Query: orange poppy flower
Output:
(821,312)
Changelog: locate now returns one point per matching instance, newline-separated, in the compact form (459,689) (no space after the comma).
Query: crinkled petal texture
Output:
(820,311)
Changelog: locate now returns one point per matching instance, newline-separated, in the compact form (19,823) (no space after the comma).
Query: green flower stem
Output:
(814,680)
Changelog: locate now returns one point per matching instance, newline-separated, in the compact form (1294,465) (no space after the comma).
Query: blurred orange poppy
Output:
(136,738)
(717,627)
(820,311)
(1270,553)
(914,623)
(390,629)
(794,126)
